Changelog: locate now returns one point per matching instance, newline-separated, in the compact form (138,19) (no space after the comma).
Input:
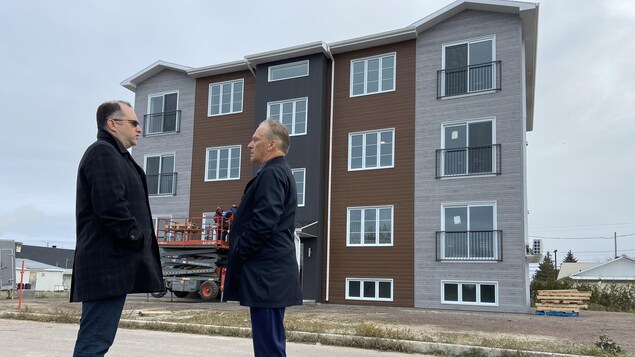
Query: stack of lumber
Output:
(570,300)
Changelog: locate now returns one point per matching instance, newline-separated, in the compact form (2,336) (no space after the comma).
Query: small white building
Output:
(40,276)
(617,271)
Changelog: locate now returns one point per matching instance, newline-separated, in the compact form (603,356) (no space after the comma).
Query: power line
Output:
(583,238)
(588,225)
(602,251)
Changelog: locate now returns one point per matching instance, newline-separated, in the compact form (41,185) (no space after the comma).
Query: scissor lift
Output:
(193,255)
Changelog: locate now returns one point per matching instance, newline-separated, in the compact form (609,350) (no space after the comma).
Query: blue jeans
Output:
(98,326)
(267,331)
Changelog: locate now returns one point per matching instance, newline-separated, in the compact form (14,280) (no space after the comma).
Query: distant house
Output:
(57,257)
(42,277)
(617,271)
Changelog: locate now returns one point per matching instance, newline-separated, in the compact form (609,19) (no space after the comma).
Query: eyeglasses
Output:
(134,123)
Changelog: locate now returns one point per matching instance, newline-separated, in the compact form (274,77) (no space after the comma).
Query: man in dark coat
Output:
(262,267)
(116,251)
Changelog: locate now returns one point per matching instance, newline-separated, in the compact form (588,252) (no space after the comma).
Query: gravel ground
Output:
(584,329)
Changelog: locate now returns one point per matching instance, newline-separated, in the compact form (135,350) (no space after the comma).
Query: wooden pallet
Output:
(567,301)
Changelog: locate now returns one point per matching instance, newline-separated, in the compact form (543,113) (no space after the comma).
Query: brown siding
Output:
(393,186)
(222,130)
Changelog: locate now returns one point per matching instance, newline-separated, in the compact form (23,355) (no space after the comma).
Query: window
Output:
(212,229)
(225,98)
(469,67)
(370,226)
(160,175)
(369,289)
(468,149)
(222,163)
(373,75)
(469,233)
(289,70)
(159,223)
(299,175)
(469,293)
(291,113)
(163,114)
(371,150)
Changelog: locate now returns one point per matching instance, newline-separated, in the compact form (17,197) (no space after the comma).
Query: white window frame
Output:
(369,280)
(218,149)
(292,125)
(364,147)
(478,301)
(468,42)
(377,226)
(467,205)
(232,110)
(161,156)
(155,223)
(287,65)
(207,222)
(178,121)
(444,125)
(379,85)
(303,171)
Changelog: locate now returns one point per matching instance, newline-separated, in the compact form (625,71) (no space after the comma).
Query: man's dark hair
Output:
(108,110)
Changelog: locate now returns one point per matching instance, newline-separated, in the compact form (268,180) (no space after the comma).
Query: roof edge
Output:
(217,69)
(153,69)
(382,38)
(288,52)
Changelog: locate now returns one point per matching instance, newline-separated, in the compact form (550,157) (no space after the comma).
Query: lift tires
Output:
(181,294)
(158,294)
(209,291)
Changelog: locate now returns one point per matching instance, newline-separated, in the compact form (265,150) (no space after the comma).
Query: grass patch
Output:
(313,328)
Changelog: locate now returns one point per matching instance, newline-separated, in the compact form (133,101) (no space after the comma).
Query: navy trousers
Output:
(267,331)
(98,326)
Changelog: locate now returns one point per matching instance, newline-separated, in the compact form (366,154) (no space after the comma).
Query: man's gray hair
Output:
(278,132)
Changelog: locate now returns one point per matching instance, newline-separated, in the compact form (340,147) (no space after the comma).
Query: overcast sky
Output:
(60,59)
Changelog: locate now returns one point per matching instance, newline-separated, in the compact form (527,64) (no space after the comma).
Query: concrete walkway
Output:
(44,339)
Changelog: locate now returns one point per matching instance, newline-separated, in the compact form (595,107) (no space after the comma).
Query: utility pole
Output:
(615,243)
(555,258)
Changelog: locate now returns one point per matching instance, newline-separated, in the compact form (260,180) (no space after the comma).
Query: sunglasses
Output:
(134,123)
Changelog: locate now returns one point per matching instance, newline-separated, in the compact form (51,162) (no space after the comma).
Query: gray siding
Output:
(507,189)
(179,143)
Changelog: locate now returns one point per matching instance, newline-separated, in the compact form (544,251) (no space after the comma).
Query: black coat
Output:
(262,266)
(112,209)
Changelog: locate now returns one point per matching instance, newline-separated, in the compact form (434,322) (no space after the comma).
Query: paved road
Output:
(43,339)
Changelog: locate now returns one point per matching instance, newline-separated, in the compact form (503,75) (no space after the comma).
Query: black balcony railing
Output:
(469,161)
(469,246)
(470,79)
(159,123)
(161,184)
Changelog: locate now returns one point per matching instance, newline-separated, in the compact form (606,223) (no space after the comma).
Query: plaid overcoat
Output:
(112,209)
(262,268)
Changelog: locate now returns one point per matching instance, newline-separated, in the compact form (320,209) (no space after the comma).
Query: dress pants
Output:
(98,326)
(267,331)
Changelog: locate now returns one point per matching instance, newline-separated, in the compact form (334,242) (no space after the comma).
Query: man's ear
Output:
(110,124)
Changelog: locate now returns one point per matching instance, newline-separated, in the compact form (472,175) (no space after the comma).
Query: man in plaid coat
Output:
(116,251)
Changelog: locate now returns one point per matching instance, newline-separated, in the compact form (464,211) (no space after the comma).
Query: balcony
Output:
(161,123)
(469,246)
(161,184)
(469,161)
(470,79)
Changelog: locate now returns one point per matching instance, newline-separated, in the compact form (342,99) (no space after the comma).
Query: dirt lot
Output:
(584,329)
